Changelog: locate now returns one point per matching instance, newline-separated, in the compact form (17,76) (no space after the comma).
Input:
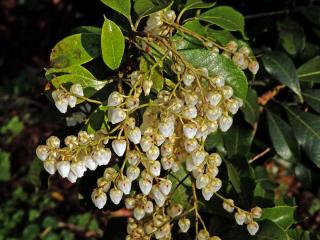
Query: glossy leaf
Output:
(112,44)
(123,6)
(76,70)
(146,7)
(282,138)
(250,109)
(86,29)
(75,50)
(304,175)
(281,215)
(4,166)
(291,36)
(214,140)
(153,73)
(226,18)
(281,67)
(312,98)
(264,193)
(310,71)
(306,128)
(97,120)
(182,193)
(271,231)
(196,4)
(219,65)
(238,140)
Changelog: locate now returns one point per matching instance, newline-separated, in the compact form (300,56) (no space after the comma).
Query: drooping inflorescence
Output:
(170,136)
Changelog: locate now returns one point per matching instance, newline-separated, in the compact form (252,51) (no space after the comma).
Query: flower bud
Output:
(227,92)
(169,16)
(256,212)
(103,184)
(188,78)
(159,139)
(115,195)
(71,141)
(167,149)
(202,181)
(134,135)
(116,115)
(189,130)
(228,205)
(53,142)
(184,224)
(119,146)
(191,145)
(165,186)
(232,46)
(191,98)
(155,168)
(233,106)
(50,166)
(203,235)
(42,152)
(90,163)
(146,143)
(102,156)
(130,203)
(145,186)
(124,184)
(218,81)
(214,113)
(146,85)
(253,67)
(133,172)
(253,228)
(114,99)
(148,207)
(99,198)
(166,128)
(198,157)
(153,153)
(133,157)
(240,217)
(189,112)
(63,168)
(78,168)
(138,213)
(214,98)
(225,123)
(72,101)
(214,159)
(174,210)
(167,162)
(62,104)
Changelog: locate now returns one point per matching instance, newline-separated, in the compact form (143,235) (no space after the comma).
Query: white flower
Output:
(202,181)
(177,105)
(146,143)
(148,207)
(167,149)
(72,101)
(212,170)
(133,172)
(189,164)
(184,224)
(198,157)
(102,156)
(90,163)
(114,99)
(166,128)
(153,153)
(155,168)
(63,168)
(228,205)
(189,130)
(53,142)
(50,166)
(138,213)
(62,104)
(115,195)
(130,203)
(214,98)
(227,92)
(133,157)
(78,168)
(240,217)
(233,106)
(191,145)
(146,85)
(124,184)
(167,162)
(189,112)
(72,177)
(109,173)
(203,235)
(191,98)
(253,67)
(253,228)
(77,89)
(214,159)
(225,123)
(145,186)
(256,212)
(188,78)
(116,115)
(119,146)
(219,81)
(214,113)
(42,152)
(134,135)
(159,139)
(165,186)
(174,210)
(207,192)
(99,198)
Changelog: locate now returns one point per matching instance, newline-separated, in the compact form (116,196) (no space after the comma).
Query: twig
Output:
(267,14)
(264,152)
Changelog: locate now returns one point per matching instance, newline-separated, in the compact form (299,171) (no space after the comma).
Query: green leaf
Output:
(146,7)
(281,67)
(264,193)
(195,4)
(241,176)
(238,140)
(270,231)
(182,193)
(312,98)
(34,172)
(112,44)
(31,232)
(304,175)
(310,71)
(226,18)
(250,109)
(312,14)
(4,166)
(76,70)
(282,138)
(214,140)
(281,215)
(219,65)
(291,36)
(155,75)
(75,50)
(97,120)
(306,128)
(121,6)
(86,29)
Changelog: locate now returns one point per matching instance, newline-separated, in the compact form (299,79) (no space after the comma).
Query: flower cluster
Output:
(241,56)
(170,136)
(62,98)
